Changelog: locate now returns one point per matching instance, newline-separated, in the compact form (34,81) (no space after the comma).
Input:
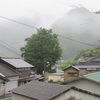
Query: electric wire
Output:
(57,34)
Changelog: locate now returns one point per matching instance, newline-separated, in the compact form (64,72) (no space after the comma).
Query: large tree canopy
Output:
(40,48)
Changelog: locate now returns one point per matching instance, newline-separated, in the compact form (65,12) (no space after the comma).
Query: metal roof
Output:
(93,76)
(17,63)
(72,67)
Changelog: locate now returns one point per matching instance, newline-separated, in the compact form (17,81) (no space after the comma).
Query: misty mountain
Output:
(78,24)
(78,28)
(12,34)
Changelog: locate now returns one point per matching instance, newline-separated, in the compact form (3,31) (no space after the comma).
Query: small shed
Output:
(55,77)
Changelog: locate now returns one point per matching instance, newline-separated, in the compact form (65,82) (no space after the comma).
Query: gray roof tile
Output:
(41,90)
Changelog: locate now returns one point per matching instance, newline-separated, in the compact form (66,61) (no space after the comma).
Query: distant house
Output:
(90,82)
(22,67)
(10,74)
(3,81)
(16,70)
(89,63)
(57,76)
(48,91)
(71,72)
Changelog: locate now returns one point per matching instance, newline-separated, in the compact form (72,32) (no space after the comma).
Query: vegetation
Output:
(80,54)
(68,63)
(41,49)
(88,51)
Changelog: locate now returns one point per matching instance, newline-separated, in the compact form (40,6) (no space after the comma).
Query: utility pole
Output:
(46,67)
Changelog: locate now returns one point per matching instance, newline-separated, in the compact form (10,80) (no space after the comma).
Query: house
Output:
(22,67)
(11,75)
(89,63)
(57,76)
(3,81)
(90,82)
(71,72)
(35,90)
(16,70)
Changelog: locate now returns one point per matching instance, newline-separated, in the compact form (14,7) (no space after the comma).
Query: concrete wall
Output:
(13,83)
(55,78)
(86,85)
(2,89)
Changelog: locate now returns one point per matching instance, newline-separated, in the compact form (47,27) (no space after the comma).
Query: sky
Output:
(48,7)
(53,9)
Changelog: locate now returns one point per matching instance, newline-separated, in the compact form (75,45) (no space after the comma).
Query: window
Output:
(72,74)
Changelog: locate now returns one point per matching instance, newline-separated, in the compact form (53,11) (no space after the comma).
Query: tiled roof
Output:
(16,62)
(41,90)
(7,71)
(45,91)
(87,66)
(89,58)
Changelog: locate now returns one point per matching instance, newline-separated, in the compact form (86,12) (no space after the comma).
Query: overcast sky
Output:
(52,8)
(48,7)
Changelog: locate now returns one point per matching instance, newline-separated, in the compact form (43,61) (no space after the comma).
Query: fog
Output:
(14,34)
(78,24)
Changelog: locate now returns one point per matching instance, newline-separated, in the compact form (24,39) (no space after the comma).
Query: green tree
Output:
(40,48)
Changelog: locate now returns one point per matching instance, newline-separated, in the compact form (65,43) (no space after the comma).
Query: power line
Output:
(18,22)
(8,45)
(58,34)
(10,50)
(78,41)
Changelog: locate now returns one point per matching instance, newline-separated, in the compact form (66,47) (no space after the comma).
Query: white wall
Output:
(13,83)
(19,97)
(78,95)
(86,85)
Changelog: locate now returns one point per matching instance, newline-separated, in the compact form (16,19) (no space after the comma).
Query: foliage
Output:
(80,54)
(68,63)
(40,48)
(88,51)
